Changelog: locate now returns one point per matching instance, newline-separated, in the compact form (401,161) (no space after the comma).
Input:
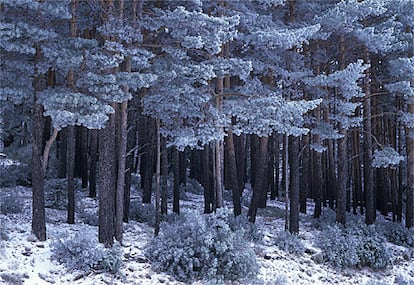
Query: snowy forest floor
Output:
(23,260)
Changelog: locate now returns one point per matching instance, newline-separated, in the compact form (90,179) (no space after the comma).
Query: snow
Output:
(24,256)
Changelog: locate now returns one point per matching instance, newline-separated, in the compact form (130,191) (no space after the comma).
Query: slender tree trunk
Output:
(61,150)
(38,203)
(260,174)
(294,185)
(71,173)
(409,214)
(240,150)
(368,157)
(148,160)
(232,171)
(93,162)
(219,153)
(84,157)
(317,181)
(157,179)
(357,186)
(206,178)
(106,183)
(176,190)
(305,174)
(274,192)
(164,176)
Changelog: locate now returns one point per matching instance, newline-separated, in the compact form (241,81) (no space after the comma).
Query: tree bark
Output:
(157,179)
(93,162)
(71,138)
(260,175)
(294,185)
(106,183)
(61,152)
(409,214)
(164,176)
(176,190)
(232,173)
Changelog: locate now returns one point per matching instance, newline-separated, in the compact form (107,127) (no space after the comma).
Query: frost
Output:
(387,157)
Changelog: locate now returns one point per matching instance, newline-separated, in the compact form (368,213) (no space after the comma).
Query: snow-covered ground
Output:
(23,260)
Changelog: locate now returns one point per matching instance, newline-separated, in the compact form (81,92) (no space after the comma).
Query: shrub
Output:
(11,204)
(14,174)
(199,246)
(327,217)
(91,219)
(82,252)
(4,233)
(397,234)
(355,245)
(339,249)
(193,186)
(12,278)
(143,213)
(289,243)
(56,196)
(251,232)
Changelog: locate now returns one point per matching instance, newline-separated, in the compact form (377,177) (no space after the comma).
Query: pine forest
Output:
(207,142)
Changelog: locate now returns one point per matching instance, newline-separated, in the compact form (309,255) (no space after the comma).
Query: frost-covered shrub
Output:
(14,174)
(4,233)
(12,278)
(289,243)
(272,212)
(143,213)
(193,186)
(251,232)
(91,219)
(327,217)
(397,233)
(11,204)
(56,196)
(82,252)
(199,246)
(355,245)
(372,251)
(339,248)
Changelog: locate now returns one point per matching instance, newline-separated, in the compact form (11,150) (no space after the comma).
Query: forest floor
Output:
(23,260)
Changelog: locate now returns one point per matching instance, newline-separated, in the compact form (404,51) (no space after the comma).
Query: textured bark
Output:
(240,150)
(106,183)
(84,157)
(176,190)
(219,154)
(206,180)
(305,174)
(147,166)
(38,203)
(294,185)
(409,214)
(92,163)
(157,179)
(232,173)
(356,172)
(368,157)
(317,178)
(61,153)
(71,173)
(164,176)
(260,177)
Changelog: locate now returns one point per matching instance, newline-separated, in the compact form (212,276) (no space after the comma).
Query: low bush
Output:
(354,245)
(82,252)
(397,234)
(12,278)
(11,204)
(200,246)
(143,213)
(14,174)
(289,243)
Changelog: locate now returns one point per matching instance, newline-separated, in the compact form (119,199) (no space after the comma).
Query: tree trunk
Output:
(93,162)
(148,162)
(176,190)
(164,176)
(38,203)
(305,174)
(71,138)
(409,214)
(206,178)
(260,175)
(106,183)
(61,151)
(274,191)
(370,214)
(232,172)
(157,179)
(294,185)
(84,157)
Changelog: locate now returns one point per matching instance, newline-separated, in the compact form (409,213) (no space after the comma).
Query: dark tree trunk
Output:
(356,171)
(342,178)
(409,214)
(148,159)
(260,176)
(206,180)
(38,210)
(71,173)
(305,174)
(254,158)
(92,163)
(232,173)
(240,150)
(106,183)
(275,150)
(164,176)
(176,190)
(61,150)
(84,157)
(294,185)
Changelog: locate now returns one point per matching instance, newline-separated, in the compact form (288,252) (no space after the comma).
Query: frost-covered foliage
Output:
(354,245)
(11,204)
(396,233)
(81,251)
(199,246)
(387,157)
(143,213)
(289,243)
(14,174)
(56,193)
